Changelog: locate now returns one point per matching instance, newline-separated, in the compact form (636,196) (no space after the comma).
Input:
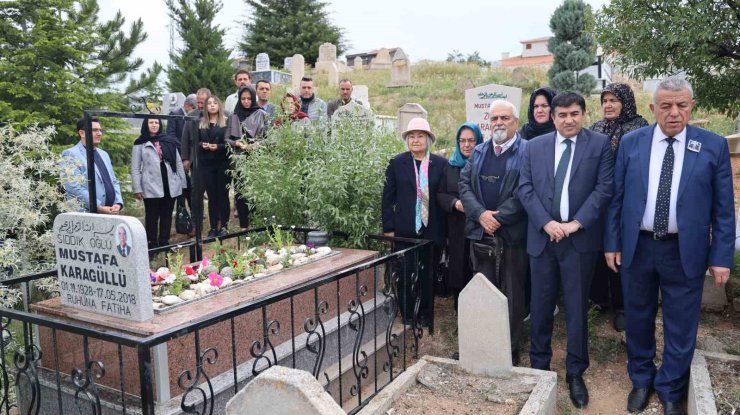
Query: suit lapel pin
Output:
(694,146)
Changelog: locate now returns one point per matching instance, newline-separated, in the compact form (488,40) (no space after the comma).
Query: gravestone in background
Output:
(400,69)
(406,114)
(327,58)
(288,63)
(361,93)
(478,101)
(172,101)
(332,72)
(382,60)
(358,63)
(297,70)
(262,62)
(103,265)
(484,339)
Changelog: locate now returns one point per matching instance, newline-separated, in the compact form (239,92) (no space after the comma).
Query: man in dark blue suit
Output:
(565,186)
(672,216)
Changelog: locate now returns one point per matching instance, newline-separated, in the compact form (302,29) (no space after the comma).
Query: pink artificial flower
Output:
(204,263)
(215,279)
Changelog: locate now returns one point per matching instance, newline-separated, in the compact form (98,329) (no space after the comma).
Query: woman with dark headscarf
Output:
(448,197)
(158,178)
(247,124)
(620,113)
(620,117)
(538,116)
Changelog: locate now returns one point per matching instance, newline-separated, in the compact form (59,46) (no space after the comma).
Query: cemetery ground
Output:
(606,378)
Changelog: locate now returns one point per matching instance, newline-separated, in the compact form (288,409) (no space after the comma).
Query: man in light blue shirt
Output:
(74,175)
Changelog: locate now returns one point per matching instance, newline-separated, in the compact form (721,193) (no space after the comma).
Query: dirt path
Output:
(606,378)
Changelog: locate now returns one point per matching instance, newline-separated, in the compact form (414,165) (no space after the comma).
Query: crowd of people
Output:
(614,214)
(618,215)
(161,156)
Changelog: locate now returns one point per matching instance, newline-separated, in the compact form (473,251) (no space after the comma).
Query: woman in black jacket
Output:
(459,272)
(409,210)
(213,163)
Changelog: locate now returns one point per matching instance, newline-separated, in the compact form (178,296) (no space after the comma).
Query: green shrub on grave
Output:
(308,176)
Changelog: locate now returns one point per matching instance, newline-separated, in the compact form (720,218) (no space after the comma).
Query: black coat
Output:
(174,127)
(399,198)
(458,248)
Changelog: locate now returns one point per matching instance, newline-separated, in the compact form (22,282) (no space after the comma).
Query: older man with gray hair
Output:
(496,222)
(671,217)
(174,127)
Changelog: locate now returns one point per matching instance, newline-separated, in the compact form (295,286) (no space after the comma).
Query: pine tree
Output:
(282,28)
(203,61)
(57,60)
(572,47)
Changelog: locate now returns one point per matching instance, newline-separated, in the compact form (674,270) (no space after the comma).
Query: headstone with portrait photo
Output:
(103,265)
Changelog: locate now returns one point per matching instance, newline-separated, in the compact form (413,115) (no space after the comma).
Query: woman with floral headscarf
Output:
(620,117)
(620,113)
(458,249)
(409,210)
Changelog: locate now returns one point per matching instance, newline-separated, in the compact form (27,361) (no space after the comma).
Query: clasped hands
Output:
(209,147)
(489,223)
(559,231)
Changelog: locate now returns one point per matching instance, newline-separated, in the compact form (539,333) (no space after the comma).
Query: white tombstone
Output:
(484,340)
(332,73)
(357,63)
(327,52)
(406,114)
(283,391)
(297,70)
(172,101)
(382,60)
(262,62)
(400,69)
(360,93)
(478,100)
(103,265)
(288,63)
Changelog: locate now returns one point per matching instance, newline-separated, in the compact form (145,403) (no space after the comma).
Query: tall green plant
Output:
(572,47)
(306,176)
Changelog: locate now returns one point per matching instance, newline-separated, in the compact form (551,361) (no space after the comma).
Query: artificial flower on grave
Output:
(215,279)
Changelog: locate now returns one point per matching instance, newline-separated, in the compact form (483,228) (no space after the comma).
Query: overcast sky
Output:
(421,27)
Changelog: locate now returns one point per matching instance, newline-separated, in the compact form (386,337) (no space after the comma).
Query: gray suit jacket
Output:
(147,176)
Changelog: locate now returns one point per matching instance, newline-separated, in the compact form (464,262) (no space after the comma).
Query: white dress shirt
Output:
(657,152)
(560,147)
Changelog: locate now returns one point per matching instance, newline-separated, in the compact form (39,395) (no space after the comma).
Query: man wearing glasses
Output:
(496,222)
(74,173)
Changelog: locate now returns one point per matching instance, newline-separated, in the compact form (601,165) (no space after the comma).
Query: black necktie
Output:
(560,180)
(110,192)
(663,201)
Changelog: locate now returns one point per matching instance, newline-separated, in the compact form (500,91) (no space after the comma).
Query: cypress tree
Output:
(203,61)
(282,28)
(572,47)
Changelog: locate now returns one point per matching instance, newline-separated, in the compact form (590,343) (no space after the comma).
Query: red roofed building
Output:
(534,53)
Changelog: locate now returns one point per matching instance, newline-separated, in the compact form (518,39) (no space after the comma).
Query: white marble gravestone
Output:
(332,72)
(382,60)
(172,101)
(357,63)
(297,70)
(484,339)
(478,100)
(288,63)
(406,114)
(262,62)
(361,93)
(283,391)
(103,265)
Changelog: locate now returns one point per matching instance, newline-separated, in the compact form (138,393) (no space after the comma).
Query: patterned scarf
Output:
(422,193)
(613,128)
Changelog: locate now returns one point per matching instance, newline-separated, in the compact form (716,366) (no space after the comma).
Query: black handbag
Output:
(487,257)
(183,222)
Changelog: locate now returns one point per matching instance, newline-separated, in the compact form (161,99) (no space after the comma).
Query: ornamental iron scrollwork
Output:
(390,306)
(85,386)
(356,323)
(416,294)
(260,350)
(6,338)
(25,364)
(191,384)
(316,339)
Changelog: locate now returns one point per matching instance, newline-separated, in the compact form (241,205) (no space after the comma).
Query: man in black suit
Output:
(565,187)
(174,127)
(123,247)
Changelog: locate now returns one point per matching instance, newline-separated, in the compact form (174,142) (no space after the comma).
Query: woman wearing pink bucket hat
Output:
(409,210)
